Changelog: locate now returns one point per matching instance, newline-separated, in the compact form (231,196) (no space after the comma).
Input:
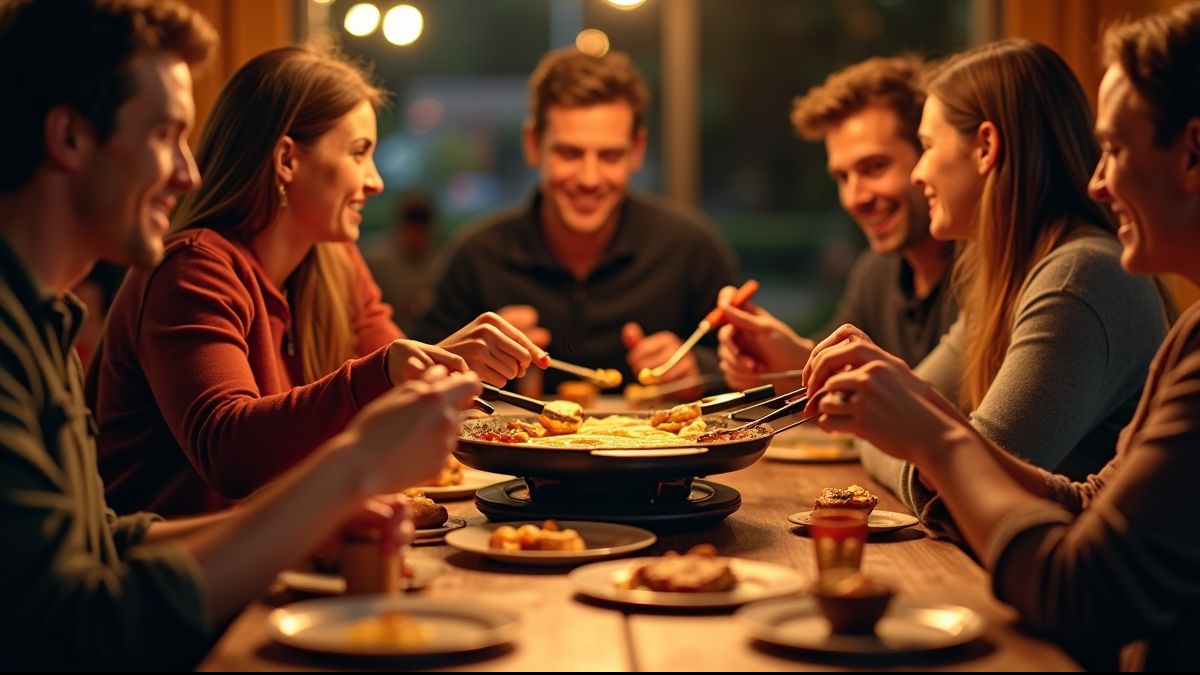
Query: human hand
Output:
(755,342)
(407,359)
(652,351)
(495,349)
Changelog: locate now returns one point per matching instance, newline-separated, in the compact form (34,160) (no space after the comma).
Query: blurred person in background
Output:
(597,274)
(403,264)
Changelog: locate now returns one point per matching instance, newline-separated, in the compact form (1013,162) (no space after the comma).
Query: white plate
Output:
(878,521)
(812,453)
(908,626)
(323,625)
(424,571)
(756,581)
(435,534)
(473,481)
(808,444)
(603,540)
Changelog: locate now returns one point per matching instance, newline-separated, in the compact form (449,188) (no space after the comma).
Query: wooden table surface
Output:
(562,631)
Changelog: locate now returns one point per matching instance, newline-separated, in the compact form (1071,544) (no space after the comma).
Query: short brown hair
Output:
(569,77)
(77,53)
(891,82)
(1160,55)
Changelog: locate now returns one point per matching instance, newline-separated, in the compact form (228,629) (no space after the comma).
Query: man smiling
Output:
(868,116)
(604,277)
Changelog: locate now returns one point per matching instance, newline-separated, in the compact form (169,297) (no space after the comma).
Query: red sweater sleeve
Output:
(214,365)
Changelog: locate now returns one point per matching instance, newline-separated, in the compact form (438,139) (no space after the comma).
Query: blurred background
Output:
(723,75)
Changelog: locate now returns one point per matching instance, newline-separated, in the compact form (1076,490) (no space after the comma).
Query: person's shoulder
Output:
(664,222)
(1088,266)
(202,255)
(485,232)
(1086,260)
(1180,351)
(870,264)
(667,212)
(1089,242)
(202,242)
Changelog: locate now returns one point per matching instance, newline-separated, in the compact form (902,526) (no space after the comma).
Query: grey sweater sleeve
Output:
(1082,339)
(940,368)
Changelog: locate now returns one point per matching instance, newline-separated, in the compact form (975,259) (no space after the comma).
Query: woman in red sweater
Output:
(262,333)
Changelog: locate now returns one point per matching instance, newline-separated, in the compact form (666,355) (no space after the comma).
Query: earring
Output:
(282,195)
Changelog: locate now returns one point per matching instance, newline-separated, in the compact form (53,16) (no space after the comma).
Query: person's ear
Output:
(531,143)
(284,157)
(68,138)
(987,147)
(638,153)
(1191,149)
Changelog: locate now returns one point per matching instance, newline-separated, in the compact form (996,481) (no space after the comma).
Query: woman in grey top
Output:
(1053,340)
(1117,558)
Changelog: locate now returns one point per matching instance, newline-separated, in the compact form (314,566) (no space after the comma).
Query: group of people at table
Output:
(1024,383)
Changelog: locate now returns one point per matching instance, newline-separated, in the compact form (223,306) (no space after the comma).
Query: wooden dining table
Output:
(561,630)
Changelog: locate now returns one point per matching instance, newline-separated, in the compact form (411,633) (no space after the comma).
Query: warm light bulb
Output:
(626,4)
(402,25)
(592,42)
(362,19)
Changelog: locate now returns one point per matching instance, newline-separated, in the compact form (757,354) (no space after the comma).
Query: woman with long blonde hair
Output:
(1099,564)
(261,333)
(1053,340)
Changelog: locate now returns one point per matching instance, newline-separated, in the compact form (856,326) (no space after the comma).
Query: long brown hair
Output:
(1033,198)
(300,93)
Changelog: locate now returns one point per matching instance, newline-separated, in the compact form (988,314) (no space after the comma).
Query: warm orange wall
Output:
(1073,28)
(247,28)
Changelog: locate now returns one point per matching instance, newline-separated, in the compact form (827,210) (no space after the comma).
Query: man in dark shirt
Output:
(898,291)
(602,277)
(96,153)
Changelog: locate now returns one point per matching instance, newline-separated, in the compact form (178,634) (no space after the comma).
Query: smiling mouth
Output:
(882,224)
(586,204)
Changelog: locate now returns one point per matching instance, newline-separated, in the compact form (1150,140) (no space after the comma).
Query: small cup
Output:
(852,603)
(839,536)
(369,567)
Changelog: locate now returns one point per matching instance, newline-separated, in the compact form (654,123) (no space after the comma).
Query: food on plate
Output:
(426,512)
(725,435)
(390,629)
(637,395)
(699,570)
(561,417)
(647,377)
(609,378)
(548,537)
(853,497)
(579,391)
(451,474)
(677,419)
